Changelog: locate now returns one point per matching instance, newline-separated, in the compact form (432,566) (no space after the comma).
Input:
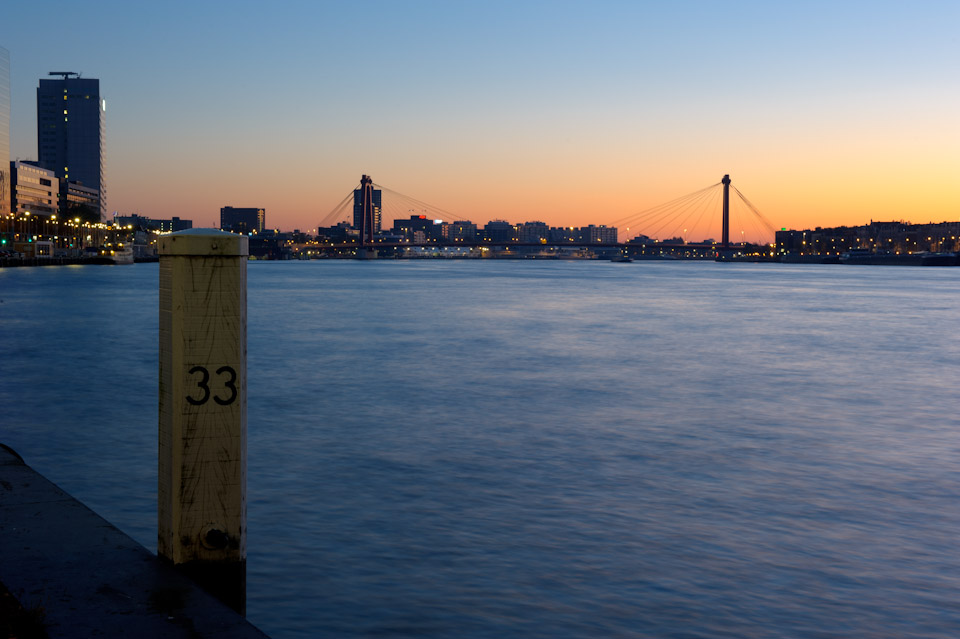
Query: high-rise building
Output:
(5,194)
(70,132)
(242,220)
(358,209)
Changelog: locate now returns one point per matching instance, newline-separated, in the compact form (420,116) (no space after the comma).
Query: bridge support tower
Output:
(366,205)
(726,212)
(725,240)
(366,250)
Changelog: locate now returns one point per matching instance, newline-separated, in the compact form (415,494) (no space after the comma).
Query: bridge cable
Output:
(420,203)
(672,215)
(337,211)
(660,206)
(666,213)
(681,216)
(705,205)
(755,211)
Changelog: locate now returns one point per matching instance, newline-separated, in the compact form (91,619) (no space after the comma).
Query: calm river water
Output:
(541,449)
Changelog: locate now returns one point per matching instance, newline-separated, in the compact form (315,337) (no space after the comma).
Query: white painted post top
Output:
(204,242)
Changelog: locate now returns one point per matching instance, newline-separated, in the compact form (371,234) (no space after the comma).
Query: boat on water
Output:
(111,254)
(621,259)
(575,254)
(866,256)
(940,259)
(796,258)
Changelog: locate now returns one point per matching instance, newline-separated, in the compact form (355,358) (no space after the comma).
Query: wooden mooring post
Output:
(203,409)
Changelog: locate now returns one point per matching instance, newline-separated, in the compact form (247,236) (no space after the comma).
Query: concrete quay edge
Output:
(89,579)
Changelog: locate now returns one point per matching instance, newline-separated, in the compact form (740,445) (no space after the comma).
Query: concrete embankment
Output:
(85,578)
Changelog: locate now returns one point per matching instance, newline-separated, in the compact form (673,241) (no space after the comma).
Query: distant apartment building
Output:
(140,223)
(597,234)
(342,232)
(71,117)
(242,220)
(459,231)
(33,189)
(563,235)
(533,233)
(5,192)
(407,227)
(641,239)
(419,229)
(499,232)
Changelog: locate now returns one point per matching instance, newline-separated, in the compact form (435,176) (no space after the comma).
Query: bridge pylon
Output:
(366,207)
(725,239)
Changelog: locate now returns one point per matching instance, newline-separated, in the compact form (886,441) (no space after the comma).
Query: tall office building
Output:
(70,132)
(6,202)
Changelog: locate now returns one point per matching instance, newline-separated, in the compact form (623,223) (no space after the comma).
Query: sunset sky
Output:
(823,113)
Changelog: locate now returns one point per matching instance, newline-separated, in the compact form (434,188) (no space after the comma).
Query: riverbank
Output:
(16,621)
(73,574)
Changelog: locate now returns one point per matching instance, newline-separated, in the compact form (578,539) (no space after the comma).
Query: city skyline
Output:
(823,115)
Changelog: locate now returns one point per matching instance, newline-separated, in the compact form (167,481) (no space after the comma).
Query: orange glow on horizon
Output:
(848,200)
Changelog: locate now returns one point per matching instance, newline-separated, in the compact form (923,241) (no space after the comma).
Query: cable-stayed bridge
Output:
(694,217)
(704,218)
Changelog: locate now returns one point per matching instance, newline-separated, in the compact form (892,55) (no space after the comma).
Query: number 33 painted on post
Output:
(203,385)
